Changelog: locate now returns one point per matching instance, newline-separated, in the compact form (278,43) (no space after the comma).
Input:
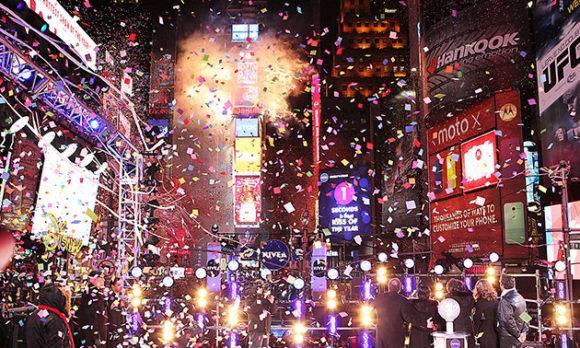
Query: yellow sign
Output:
(248,158)
(57,237)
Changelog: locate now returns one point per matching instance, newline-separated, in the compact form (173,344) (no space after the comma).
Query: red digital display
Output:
(445,173)
(479,161)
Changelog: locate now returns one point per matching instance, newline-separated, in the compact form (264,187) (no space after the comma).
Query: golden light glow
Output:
(439,293)
(298,332)
(382,275)
(167,332)
(366,315)
(232,318)
(562,314)
(491,275)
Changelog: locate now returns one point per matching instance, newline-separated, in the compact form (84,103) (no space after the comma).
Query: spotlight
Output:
(439,269)
(382,275)
(467,263)
(70,149)
(331,302)
(491,275)
(409,263)
(167,332)
(46,139)
(201,298)
(136,291)
(87,160)
(365,265)
(200,273)
(298,333)
(232,318)
(366,315)
(439,294)
(562,314)
(560,266)
(493,257)
(94,124)
(332,274)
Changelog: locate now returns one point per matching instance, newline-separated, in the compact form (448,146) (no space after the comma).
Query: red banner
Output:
(469,123)
(467,226)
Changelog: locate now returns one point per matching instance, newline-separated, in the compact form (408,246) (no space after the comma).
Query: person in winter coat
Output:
(393,311)
(420,337)
(260,309)
(512,328)
(116,306)
(92,314)
(48,327)
(484,319)
(457,290)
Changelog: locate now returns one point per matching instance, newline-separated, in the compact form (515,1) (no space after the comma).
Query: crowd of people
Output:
(491,320)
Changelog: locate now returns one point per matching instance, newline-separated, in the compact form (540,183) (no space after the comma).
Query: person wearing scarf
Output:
(48,327)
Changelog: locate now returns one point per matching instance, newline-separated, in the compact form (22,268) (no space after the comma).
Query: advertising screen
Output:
(248,156)
(345,206)
(247,201)
(66,201)
(555,239)
(558,29)
(478,161)
(247,127)
(468,225)
(445,174)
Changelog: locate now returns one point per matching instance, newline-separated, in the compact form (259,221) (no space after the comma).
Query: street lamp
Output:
(298,333)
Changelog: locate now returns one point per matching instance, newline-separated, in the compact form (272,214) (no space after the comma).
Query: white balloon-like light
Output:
(383,257)
(264,273)
(366,265)
(46,139)
(409,263)
(438,269)
(332,274)
(18,125)
(168,282)
(200,273)
(493,257)
(560,266)
(298,283)
(136,272)
(233,265)
(467,263)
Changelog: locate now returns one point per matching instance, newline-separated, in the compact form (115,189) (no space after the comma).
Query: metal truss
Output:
(42,86)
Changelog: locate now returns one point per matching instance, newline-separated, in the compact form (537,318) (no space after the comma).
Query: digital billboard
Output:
(345,203)
(558,32)
(247,201)
(480,49)
(66,201)
(247,127)
(479,161)
(555,238)
(248,156)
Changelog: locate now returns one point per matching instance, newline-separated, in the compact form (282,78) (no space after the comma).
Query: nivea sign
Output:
(275,255)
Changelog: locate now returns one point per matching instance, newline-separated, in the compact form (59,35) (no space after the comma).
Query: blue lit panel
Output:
(245,32)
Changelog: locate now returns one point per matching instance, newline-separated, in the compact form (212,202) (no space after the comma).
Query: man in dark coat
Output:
(47,327)
(92,314)
(260,308)
(512,328)
(393,310)
(117,306)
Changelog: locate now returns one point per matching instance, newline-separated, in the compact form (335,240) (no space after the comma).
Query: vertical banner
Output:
(318,278)
(214,278)
(316,132)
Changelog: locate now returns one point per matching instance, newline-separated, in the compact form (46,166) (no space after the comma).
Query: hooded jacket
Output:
(47,327)
(510,309)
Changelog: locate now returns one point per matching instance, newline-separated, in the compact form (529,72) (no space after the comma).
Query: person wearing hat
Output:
(92,314)
(48,326)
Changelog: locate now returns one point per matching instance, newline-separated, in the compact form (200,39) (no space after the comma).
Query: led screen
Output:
(66,201)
